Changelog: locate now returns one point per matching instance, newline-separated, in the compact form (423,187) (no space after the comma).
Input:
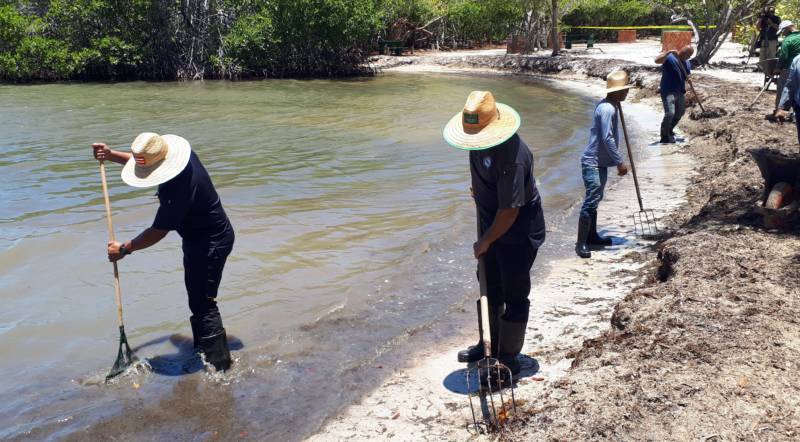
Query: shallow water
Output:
(353,226)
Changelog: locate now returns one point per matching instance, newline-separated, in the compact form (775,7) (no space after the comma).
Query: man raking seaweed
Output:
(188,204)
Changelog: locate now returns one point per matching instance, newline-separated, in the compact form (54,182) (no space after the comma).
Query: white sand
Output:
(572,303)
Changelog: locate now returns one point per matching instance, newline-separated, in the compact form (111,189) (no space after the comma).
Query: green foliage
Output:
(617,13)
(169,39)
(789,10)
(489,20)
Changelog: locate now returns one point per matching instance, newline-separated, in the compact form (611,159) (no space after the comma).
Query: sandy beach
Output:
(580,380)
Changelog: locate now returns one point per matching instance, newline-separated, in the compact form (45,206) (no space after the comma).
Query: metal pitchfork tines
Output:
(490,408)
(644,222)
(487,378)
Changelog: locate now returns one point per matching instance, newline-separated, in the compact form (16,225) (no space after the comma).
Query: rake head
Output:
(491,407)
(644,223)
(125,356)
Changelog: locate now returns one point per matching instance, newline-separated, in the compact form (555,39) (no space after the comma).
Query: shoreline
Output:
(704,341)
(572,302)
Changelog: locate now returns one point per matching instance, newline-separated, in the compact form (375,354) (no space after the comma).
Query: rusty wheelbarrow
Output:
(780,201)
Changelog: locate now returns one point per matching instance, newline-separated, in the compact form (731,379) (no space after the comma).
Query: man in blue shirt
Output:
(601,153)
(674,73)
(790,97)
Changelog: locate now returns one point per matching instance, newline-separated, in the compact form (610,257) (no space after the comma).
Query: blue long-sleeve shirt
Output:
(791,89)
(603,150)
(673,78)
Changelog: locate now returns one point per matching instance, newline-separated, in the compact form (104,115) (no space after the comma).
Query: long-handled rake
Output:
(125,356)
(644,222)
(489,375)
(691,86)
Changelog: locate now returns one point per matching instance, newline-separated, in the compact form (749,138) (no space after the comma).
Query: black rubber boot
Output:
(512,338)
(581,246)
(216,351)
(474,353)
(594,238)
(197,332)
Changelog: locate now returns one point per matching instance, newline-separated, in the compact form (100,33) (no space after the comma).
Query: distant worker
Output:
(601,153)
(190,205)
(675,71)
(790,97)
(790,48)
(768,24)
(510,218)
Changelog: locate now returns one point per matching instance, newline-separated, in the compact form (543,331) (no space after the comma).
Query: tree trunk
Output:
(554,31)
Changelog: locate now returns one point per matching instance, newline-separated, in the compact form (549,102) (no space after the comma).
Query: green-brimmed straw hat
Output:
(483,123)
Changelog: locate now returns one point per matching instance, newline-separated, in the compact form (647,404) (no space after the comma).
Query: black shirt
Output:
(190,205)
(767,32)
(502,178)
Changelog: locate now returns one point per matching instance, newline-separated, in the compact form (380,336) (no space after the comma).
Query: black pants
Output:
(203,263)
(508,278)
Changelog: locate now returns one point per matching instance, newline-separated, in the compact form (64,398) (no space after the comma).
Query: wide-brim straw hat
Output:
(482,124)
(164,156)
(617,81)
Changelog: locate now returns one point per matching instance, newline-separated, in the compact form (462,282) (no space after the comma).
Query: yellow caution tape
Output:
(624,28)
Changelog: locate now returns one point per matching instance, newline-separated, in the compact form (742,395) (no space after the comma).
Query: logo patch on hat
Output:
(470,118)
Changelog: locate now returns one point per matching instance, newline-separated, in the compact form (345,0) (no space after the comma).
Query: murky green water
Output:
(353,226)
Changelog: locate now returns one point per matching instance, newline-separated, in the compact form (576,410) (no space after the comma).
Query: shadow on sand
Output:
(456,381)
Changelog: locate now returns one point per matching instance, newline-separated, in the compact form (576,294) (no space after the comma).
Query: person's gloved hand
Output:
(781,115)
(114,252)
(101,151)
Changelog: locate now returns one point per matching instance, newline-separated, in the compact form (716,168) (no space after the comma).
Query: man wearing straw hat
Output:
(509,214)
(601,153)
(190,205)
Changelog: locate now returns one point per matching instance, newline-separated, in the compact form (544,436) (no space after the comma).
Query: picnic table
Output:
(391,46)
(589,39)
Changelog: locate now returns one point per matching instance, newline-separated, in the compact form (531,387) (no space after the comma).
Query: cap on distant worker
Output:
(156,159)
(617,81)
(483,123)
(784,24)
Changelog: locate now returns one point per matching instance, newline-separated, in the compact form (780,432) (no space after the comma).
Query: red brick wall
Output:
(626,36)
(561,36)
(675,39)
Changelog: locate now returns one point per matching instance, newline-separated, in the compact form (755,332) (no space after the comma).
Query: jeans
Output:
(508,278)
(782,77)
(202,266)
(796,110)
(674,108)
(594,179)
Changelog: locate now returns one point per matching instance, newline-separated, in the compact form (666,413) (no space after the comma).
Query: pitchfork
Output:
(490,375)
(644,222)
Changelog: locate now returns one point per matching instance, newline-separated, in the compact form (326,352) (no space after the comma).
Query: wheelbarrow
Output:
(777,169)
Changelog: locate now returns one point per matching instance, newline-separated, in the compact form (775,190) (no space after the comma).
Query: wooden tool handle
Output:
(691,85)
(630,156)
(486,336)
(117,290)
